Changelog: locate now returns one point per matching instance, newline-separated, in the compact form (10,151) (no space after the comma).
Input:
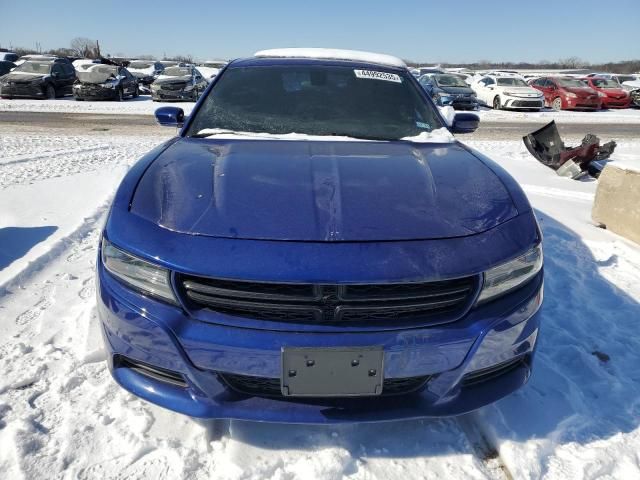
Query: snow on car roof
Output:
(333,54)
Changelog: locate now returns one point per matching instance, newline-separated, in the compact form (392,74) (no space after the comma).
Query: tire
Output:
(496,103)
(78,99)
(136,92)
(50,92)
(120,96)
(556,104)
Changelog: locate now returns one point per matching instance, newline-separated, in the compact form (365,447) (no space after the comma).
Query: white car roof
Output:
(333,54)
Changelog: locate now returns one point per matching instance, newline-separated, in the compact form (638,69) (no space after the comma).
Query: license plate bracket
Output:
(332,371)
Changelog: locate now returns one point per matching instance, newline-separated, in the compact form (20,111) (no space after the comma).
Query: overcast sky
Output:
(444,31)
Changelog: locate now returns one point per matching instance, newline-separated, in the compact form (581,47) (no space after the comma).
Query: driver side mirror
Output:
(465,123)
(170,116)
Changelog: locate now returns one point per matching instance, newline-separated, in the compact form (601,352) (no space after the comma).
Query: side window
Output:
(57,69)
(490,81)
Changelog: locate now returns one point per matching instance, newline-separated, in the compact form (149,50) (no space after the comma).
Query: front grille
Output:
(270,387)
(362,304)
(172,86)
(527,103)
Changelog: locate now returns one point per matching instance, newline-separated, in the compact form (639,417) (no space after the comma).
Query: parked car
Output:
(315,246)
(449,90)
(8,57)
(46,78)
(629,82)
(6,67)
(146,71)
(612,95)
(426,70)
(567,93)
(105,82)
(178,83)
(509,91)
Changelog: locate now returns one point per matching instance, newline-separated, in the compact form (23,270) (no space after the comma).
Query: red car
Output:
(611,93)
(567,93)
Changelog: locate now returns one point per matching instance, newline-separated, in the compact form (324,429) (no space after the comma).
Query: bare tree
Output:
(85,47)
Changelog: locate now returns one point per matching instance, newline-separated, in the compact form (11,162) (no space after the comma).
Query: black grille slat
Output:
(351,304)
(270,387)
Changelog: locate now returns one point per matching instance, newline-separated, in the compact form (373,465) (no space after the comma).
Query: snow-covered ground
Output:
(61,415)
(144,106)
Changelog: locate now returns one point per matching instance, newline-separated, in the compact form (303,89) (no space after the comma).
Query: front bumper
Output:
(22,90)
(147,331)
(172,95)
(610,102)
(459,102)
(522,102)
(95,93)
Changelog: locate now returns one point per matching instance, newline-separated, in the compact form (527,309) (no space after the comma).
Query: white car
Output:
(500,92)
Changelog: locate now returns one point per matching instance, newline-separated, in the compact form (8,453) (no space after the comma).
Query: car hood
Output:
(457,90)
(519,90)
(321,190)
(582,91)
(20,77)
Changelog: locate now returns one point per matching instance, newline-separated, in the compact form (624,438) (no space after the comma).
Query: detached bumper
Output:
(159,353)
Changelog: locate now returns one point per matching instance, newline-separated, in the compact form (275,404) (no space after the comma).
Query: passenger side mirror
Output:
(465,123)
(170,116)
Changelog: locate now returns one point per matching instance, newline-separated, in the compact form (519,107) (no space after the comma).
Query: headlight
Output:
(602,95)
(504,278)
(109,84)
(571,95)
(137,273)
(188,88)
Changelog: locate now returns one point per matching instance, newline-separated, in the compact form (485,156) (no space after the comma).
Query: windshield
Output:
(449,81)
(605,83)
(512,82)
(316,100)
(141,65)
(176,71)
(570,82)
(34,67)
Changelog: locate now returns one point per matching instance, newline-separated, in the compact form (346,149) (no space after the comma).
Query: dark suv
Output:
(39,77)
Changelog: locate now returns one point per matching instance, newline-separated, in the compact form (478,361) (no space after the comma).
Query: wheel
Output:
(136,92)
(50,92)
(496,103)
(78,99)
(120,95)
(557,103)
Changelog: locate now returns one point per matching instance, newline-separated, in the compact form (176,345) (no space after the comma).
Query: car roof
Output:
(333,54)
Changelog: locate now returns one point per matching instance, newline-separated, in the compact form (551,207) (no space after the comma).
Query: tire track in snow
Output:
(484,447)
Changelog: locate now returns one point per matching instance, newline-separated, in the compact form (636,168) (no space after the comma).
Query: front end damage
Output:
(548,148)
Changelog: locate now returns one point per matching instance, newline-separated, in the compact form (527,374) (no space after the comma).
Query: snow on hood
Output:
(97,73)
(633,84)
(168,78)
(440,135)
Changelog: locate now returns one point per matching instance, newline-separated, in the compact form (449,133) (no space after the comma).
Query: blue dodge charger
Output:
(314,247)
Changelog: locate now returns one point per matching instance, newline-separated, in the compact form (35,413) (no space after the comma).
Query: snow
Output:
(143,105)
(440,135)
(223,134)
(62,416)
(333,54)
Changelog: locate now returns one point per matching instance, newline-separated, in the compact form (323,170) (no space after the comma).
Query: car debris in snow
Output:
(588,158)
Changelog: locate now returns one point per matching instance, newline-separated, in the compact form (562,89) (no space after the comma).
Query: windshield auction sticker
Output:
(372,74)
